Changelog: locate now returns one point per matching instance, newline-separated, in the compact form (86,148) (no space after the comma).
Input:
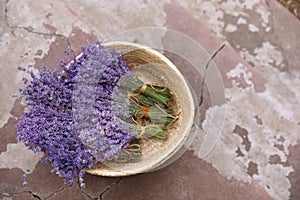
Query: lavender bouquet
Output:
(76,118)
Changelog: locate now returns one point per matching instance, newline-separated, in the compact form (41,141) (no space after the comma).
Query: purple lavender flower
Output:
(48,125)
(98,129)
(70,115)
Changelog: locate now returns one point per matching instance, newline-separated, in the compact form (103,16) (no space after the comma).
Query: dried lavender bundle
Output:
(145,130)
(156,94)
(72,114)
(140,107)
(48,125)
(63,122)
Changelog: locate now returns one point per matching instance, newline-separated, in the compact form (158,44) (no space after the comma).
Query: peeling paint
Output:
(207,12)
(252,168)
(241,20)
(213,12)
(115,17)
(253,28)
(13,158)
(243,133)
(240,71)
(260,127)
(230,28)
(21,56)
(268,53)
(37,21)
(278,123)
(265,59)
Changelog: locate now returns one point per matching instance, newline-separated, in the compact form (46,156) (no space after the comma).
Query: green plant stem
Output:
(147,131)
(158,94)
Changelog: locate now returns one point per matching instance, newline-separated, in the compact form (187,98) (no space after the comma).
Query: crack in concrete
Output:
(5,194)
(35,32)
(206,69)
(86,194)
(51,35)
(83,192)
(100,197)
(58,191)
(34,195)
(5,13)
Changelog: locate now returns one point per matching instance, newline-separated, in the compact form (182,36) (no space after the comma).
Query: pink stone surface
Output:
(257,153)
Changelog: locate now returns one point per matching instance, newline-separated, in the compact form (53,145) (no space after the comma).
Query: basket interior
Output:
(152,67)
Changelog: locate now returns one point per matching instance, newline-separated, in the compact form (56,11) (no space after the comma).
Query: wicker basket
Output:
(151,66)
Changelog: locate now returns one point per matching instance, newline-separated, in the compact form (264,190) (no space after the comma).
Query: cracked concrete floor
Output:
(258,153)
